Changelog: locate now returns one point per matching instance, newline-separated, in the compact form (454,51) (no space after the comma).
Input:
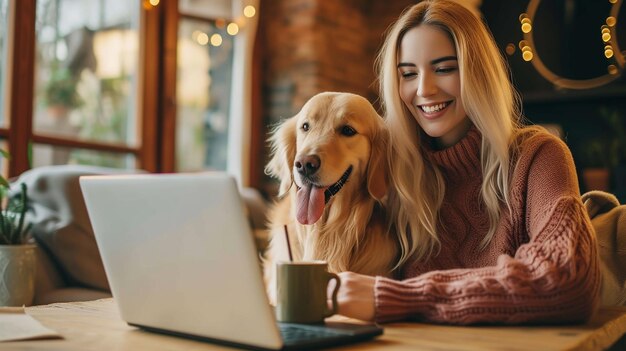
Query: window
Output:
(126,84)
(213,125)
(86,62)
(205,57)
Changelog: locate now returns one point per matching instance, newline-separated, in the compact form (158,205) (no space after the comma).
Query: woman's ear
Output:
(283,153)
(378,166)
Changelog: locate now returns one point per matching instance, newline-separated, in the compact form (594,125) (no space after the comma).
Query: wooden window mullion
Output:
(22,67)
(148,92)
(167,125)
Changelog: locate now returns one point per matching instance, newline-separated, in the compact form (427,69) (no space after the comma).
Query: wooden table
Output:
(96,325)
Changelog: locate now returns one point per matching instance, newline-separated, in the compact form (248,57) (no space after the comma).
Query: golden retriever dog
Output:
(331,161)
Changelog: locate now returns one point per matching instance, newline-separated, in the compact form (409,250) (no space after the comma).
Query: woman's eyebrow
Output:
(442,59)
(433,62)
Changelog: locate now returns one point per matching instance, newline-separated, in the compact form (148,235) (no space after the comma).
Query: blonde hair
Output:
(491,104)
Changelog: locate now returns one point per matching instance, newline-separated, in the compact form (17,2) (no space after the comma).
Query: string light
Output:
(612,50)
(232,28)
(610,21)
(510,49)
(608,51)
(249,11)
(216,39)
(527,55)
(202,38)
(526,23)
(522,43)
(150,4)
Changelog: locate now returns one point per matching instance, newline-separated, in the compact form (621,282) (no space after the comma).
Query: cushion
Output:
(60,223)
(608,218)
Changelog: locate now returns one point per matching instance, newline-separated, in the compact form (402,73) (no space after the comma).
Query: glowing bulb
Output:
(510,49)
(606,37)
(232,28)
(608,53)
(522,43)
(249,11)
(526,27)
(216,40)
(605,29)
(525,20)
(154,2)
(202,38)
(612,1)
(611,21)
(527,55)
(612,69)
(522,17)
(526,48)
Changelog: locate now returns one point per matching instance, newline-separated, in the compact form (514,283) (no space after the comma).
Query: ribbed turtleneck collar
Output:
(462,158)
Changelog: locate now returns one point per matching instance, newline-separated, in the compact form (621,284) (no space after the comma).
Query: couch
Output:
(69,267)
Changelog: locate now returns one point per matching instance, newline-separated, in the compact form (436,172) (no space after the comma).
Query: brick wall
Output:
(310,46)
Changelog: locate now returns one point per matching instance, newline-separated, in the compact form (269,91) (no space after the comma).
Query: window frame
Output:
(156,94)
(19,135)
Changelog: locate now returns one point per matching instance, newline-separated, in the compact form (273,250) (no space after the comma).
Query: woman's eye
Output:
(446,69)
(305,126)
(406,75)
(347,131)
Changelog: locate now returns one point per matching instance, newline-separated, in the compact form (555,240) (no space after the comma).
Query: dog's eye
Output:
(305,126)
(347,131)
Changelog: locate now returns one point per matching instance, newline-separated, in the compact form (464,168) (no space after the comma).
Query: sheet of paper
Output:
(15,325)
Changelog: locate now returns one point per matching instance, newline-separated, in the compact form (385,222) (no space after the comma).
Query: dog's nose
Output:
(308,165)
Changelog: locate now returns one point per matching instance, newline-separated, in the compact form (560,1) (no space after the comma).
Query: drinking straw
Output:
(288,244)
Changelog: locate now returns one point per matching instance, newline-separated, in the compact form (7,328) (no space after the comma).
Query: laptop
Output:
(181,259)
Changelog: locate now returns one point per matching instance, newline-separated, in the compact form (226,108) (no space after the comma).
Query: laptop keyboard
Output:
(294,333)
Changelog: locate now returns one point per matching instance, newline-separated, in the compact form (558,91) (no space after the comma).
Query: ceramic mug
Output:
(301,292)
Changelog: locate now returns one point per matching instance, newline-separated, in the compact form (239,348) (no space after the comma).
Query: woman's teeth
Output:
(434,108)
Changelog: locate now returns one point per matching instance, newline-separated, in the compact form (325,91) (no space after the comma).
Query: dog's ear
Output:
(283,153)
(378,166)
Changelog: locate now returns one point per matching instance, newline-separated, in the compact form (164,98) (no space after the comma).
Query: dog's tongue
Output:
(311,203)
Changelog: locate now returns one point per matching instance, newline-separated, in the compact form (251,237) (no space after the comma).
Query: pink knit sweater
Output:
(541,265)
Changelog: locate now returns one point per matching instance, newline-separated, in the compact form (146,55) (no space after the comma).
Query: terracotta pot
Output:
(17,275)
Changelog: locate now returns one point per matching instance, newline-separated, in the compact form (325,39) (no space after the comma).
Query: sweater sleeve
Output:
(553,278)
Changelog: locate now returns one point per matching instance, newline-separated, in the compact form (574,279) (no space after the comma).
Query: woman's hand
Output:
(356,296)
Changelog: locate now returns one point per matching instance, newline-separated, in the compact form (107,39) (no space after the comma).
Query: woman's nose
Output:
(426,85)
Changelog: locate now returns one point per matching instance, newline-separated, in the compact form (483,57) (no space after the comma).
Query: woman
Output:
(488,212)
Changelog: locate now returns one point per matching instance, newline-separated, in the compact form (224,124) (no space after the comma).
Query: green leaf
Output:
(5,154)
(29,150)
(4,182)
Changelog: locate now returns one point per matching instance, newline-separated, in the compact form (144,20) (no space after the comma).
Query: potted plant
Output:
(17,255)
(595,162)
(617,151)
(60,94)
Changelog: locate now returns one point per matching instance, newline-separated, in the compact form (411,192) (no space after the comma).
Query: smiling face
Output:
(430,84)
